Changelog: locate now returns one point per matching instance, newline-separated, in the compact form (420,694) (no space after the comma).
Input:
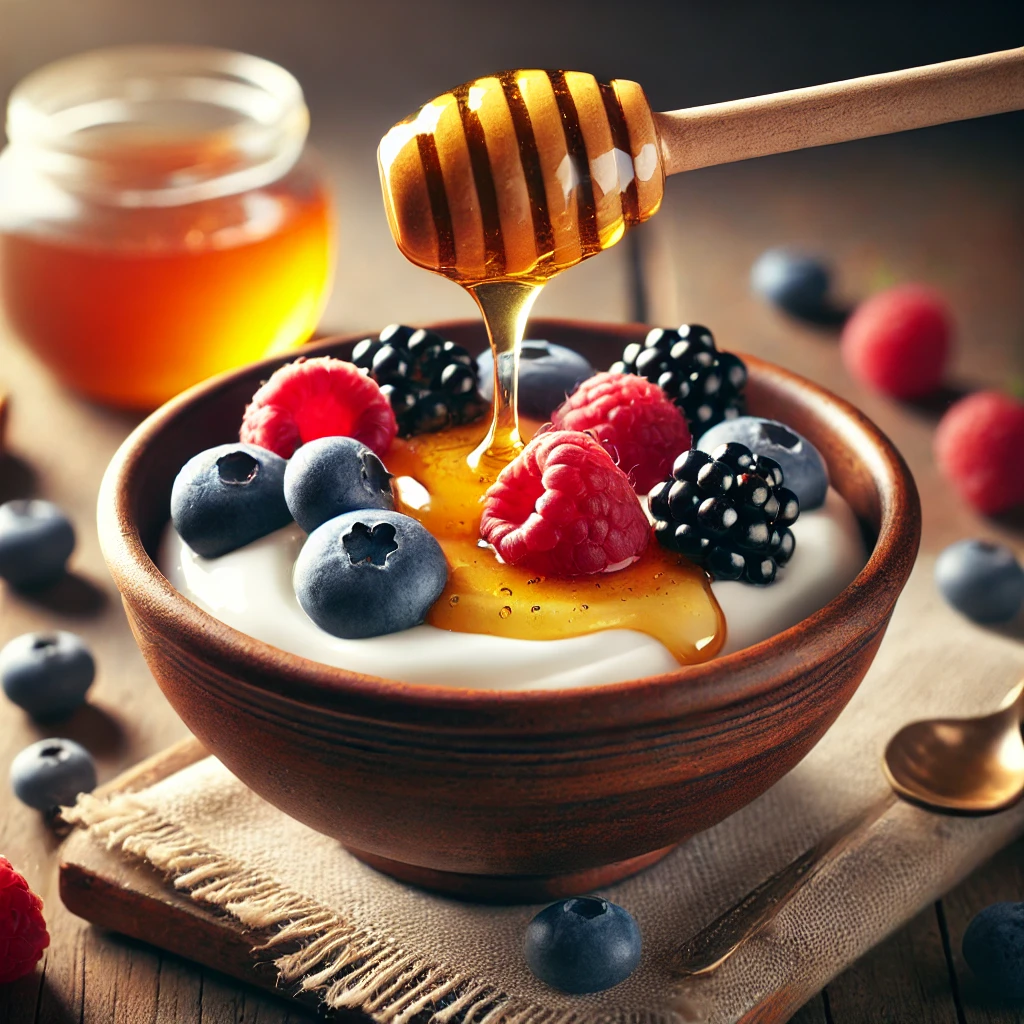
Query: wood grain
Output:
(858,108)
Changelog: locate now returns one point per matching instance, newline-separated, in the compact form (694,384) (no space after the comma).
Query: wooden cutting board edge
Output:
(132,898)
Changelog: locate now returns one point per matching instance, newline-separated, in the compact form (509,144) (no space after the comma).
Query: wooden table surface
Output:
(945,206)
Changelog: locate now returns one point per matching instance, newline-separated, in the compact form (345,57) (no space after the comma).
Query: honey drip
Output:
(505,306)
(499,185)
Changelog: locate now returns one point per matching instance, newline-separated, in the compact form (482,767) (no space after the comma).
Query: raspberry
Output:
(322,397)
(633,419)
(978,446)
(23,935)
(563,508)
(898,341)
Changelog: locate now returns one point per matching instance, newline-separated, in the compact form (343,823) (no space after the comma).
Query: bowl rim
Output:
(860,610)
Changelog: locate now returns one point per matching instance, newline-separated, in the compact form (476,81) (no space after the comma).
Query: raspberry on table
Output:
(633,419)
(898,341)
(978,445)
(563,508)
(23,935)
(321,397)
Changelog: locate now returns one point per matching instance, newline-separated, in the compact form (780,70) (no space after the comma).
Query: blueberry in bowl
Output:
(369,572)
(548,373)
(333,475)
(228,496)
(804,468)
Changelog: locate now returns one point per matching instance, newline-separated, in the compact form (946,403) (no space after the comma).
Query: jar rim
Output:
(227,121)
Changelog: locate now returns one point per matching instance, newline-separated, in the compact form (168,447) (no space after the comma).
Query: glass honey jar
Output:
(161,218)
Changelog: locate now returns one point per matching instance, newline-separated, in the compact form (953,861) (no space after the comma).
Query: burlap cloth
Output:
(362,940)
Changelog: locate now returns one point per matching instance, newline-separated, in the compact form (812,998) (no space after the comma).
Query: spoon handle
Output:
(706,951)
(955,90)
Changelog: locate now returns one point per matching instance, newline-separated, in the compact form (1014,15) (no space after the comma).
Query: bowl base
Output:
(511,888)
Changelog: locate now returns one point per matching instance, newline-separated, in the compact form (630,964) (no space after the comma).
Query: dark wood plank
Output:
(812,1012)
(903,979)
(1002,878)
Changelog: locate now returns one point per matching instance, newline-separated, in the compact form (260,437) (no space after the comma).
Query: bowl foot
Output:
(511,888)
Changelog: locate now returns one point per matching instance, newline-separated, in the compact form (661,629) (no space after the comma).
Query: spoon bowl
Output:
(962,765)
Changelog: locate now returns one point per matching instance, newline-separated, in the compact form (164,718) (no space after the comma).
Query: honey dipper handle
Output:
(719,133)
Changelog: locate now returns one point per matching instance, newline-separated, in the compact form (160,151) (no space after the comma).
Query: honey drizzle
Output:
(661,594)
(505,306)
(441,478)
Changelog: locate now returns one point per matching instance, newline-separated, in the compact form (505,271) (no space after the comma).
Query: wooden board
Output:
(129,897)
(916,974)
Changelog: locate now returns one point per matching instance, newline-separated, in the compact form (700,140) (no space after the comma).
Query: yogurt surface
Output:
(251,590)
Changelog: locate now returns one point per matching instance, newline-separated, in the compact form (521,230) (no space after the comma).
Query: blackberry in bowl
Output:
(727,511)
(705,383)
(431,383)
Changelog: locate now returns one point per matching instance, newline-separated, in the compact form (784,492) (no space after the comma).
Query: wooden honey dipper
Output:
(520,175)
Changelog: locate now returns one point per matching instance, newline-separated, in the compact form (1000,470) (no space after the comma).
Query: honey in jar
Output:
(160,219)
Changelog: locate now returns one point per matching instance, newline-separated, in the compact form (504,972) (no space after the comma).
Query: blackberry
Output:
(705,383)
(431,383)
(727,511)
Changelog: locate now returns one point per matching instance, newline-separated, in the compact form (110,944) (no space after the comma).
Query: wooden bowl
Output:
(508,795)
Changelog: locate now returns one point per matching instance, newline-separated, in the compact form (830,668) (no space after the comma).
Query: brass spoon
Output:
(950,765)
(965,765)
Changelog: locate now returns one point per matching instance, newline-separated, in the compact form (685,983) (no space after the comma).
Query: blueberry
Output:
(47,674)
(36,540)
(802,465)
(584,944)
(793,281)
(994,948)
(368,573)
(51,773)
(332,475)
(547,374)
(981,580)
(227,497)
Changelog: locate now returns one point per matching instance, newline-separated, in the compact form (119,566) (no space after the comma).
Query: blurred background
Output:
(364,66)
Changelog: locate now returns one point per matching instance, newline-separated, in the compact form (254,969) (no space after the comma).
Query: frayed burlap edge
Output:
(347,967)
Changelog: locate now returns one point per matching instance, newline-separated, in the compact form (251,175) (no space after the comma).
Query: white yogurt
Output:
(251,590)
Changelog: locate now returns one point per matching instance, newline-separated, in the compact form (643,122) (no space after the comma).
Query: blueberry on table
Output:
(981,580)
(227,497)
(368,573)
(47,674)
(548,373)
(36,540)
(333,475)
(994,948)
(801,463)
(584,944)
(51,773)
(795,282)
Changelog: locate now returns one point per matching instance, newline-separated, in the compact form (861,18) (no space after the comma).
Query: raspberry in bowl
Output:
(512,793)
